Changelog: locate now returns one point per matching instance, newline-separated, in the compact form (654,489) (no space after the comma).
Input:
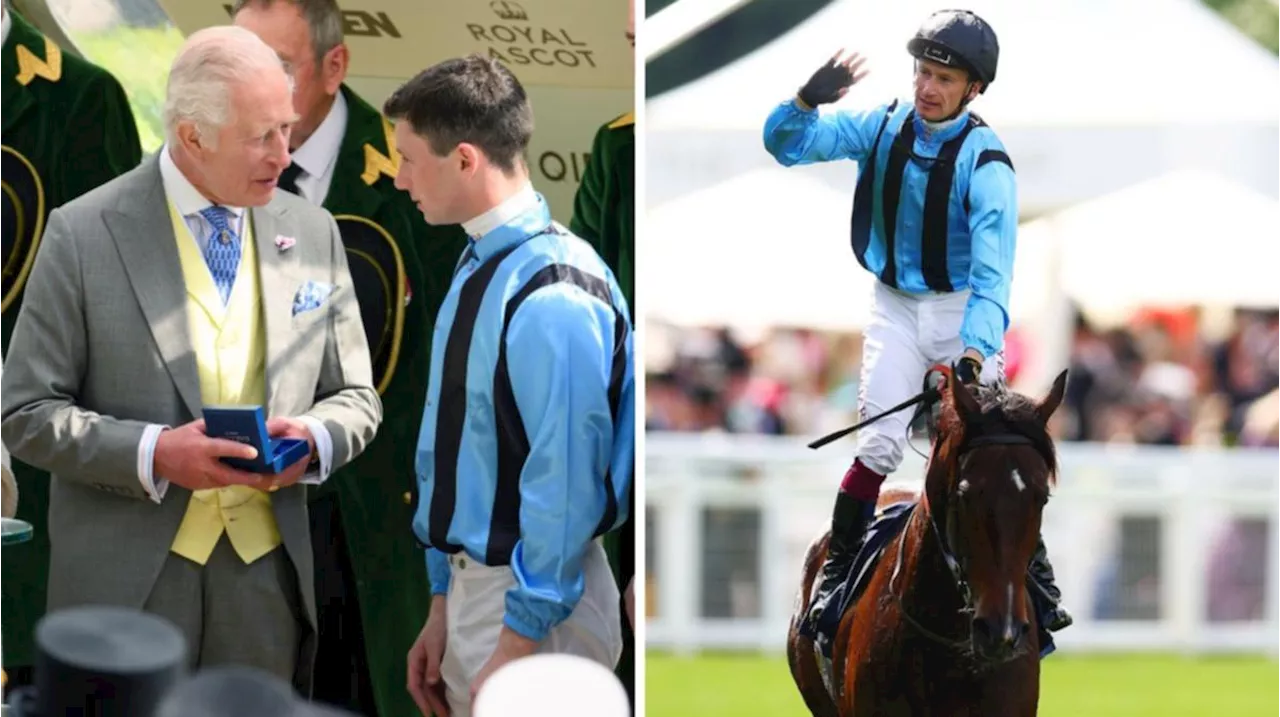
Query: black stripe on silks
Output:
(988,156)
(937,208)
(513,442)
(900,151)
(992,155)
(452,412)
(617,374)
(864,196)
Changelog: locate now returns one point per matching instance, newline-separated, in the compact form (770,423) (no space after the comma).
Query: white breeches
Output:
(907,335)
(476,605)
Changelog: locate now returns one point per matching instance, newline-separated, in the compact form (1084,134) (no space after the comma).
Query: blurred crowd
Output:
(1160,378)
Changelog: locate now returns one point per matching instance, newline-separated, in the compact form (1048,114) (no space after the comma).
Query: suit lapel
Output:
(277,272)
(143,232)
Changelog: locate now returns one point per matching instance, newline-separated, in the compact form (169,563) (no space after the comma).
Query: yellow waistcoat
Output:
(231,354)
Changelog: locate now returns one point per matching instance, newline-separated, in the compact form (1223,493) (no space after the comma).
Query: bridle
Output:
(946,540)
(981,432)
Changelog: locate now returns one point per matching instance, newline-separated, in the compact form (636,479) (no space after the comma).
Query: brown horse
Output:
(945,625)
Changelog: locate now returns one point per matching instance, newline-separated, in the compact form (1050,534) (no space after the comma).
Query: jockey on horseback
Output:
(935,218)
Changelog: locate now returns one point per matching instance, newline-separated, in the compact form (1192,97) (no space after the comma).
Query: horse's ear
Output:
(962,399)
(1050,403)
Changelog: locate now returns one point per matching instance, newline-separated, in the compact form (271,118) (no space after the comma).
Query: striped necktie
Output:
(222,253)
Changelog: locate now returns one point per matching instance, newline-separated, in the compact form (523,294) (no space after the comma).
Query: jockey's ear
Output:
(1050,403)
(962,399)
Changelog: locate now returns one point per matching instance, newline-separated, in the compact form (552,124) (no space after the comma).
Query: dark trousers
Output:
(341,671)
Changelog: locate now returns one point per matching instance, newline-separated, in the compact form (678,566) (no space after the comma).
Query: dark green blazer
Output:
(604,206)
(604,215)
(377,491)
(67,128)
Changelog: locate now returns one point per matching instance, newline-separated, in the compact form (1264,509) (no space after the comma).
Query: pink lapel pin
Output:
(284,243)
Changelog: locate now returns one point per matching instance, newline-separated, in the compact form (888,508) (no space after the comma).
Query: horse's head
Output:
(988,481)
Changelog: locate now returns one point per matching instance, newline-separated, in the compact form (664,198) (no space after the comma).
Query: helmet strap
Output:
(964,101)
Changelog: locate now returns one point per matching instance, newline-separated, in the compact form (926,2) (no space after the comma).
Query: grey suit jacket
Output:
(102,348)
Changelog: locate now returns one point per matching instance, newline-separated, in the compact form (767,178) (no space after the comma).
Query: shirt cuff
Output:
(324,446)
(155,487)
(522,621)
(438,571)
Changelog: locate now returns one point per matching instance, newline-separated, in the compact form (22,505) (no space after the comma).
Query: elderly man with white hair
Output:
(187,283)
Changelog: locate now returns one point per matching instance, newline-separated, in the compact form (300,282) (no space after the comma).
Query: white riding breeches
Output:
(476,606)
(907,335)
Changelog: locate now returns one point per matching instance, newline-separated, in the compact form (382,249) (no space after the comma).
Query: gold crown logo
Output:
(508,10)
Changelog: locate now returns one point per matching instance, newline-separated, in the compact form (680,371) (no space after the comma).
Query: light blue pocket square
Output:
(310,296)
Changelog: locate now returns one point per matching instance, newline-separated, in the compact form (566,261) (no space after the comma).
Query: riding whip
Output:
(929,395)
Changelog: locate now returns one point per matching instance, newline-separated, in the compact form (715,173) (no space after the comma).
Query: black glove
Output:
(825,85)
(967,371)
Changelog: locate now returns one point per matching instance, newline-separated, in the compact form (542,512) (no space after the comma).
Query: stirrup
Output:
(829,576)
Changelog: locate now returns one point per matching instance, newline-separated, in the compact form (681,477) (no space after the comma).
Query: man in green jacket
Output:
(67,128)
(604,215)
(371,589)
(604,206)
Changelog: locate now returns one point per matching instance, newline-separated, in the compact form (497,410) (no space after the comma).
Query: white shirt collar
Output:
(5,24)
(320,151)
(182,192)
(515,205)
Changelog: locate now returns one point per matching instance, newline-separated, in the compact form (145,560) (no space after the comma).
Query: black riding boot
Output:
(1056,617)
(848,522)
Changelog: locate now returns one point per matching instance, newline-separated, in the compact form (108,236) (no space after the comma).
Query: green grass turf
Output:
(1075,685)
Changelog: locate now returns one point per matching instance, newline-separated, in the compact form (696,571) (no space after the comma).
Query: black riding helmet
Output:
(961,39)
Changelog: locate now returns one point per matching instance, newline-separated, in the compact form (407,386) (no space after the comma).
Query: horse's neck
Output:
(927,586)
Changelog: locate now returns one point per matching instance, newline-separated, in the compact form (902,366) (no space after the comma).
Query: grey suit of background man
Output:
(110,363)
(8,485)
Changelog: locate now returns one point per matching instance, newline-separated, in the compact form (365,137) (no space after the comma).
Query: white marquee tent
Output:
(1091,96)
(1186,238)
(1089,111)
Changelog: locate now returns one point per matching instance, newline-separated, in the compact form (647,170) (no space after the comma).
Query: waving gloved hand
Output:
(832,80)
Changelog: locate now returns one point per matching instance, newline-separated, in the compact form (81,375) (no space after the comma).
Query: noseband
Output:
(986,435)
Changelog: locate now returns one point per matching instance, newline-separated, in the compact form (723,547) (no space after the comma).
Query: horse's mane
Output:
(1001,410)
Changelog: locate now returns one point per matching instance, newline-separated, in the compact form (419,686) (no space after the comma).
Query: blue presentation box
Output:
(248,425)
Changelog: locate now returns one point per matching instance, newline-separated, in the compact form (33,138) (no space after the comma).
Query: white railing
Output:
(1198,504)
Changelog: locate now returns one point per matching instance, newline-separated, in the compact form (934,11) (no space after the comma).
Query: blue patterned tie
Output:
(222,253)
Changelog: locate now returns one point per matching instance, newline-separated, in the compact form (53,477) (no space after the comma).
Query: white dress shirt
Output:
(189,202)
(513,206)
(319,154)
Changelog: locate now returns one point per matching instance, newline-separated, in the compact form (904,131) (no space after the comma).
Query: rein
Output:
(954,565)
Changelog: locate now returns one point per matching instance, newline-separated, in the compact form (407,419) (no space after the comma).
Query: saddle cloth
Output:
(886,526)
